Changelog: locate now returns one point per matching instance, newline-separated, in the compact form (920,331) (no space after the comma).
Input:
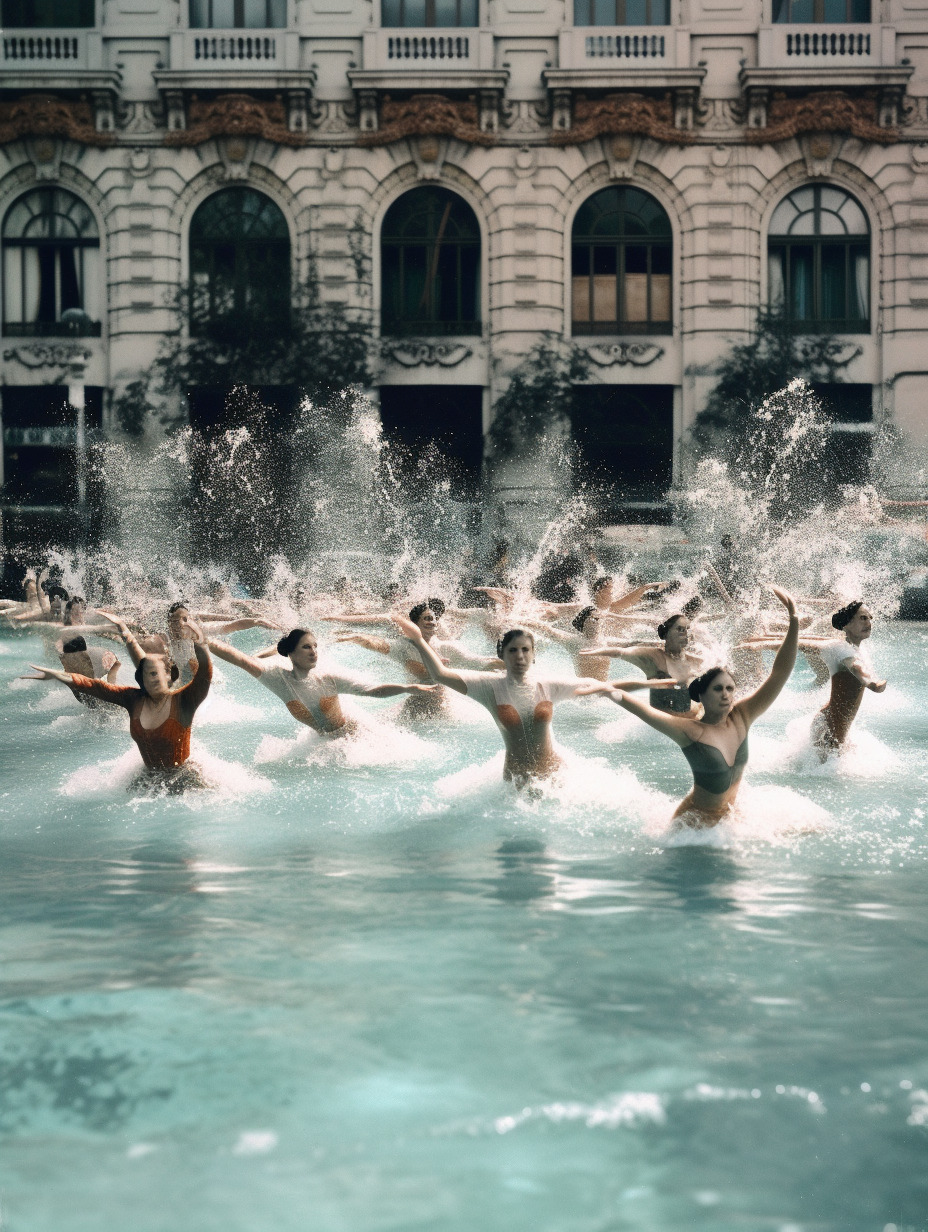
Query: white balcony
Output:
(619,47)
(42,51)
(224,51)
(805,46)
(433,49)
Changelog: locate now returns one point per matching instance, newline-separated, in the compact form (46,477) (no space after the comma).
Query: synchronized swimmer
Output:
(692,694)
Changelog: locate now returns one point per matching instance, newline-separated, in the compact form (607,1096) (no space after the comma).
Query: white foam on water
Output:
(374,743)
(863,756)
(765,814)
(628,1110)
(116,778)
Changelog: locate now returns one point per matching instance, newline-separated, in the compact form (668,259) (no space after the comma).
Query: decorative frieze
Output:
(235,115)
(822,111)
(46,115)
(426,115)
(415,354)
(637,354)
(634,114)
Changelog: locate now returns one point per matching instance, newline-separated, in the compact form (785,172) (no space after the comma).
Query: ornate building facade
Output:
(638,176)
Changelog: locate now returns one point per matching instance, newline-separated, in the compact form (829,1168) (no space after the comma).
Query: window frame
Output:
(783,244)
(399,326)
(620,242)
(617,13)
(430,15)
(46,327)
(201,324)
(818,17)
(238,21)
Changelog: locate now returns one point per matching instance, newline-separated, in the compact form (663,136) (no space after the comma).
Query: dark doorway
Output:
(849,451)
(41,495)
(241,499)
(624,434)
(426,421)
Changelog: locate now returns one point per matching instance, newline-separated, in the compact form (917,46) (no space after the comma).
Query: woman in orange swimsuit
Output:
(159,718)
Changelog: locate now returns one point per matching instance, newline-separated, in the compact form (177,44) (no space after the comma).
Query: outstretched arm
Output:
(631,597)
(379,619)
(245,622)
(394,690)
(637,655)
(433,665)
(238,658)
(136,653)
(856,668)
(667,725)
(754,705)
(379,645)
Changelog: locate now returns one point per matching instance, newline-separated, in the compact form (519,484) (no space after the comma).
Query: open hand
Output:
(589,689)
(786,599)
(877,686)
(407,628)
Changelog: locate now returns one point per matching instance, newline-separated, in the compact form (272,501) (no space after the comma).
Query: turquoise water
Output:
(371,988)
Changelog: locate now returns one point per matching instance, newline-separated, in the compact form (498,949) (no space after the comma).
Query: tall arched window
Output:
(819,261)
(51,262)
(621,263)
(239,261)
(431,265)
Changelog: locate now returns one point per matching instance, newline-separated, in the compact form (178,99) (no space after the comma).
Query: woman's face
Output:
(604,595)
(862,624)
(678,636)
(719,698)
(75,615)
(156,678)
(176,621)
(428,623)
(305,655)
(519,655)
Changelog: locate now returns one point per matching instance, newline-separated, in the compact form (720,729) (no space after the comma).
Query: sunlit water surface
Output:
(371,988)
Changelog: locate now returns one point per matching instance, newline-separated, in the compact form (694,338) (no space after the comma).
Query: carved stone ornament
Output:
(235,115)
(48,355)
(634,114)
(638,354)
(825,111)
(45,115)
(413,354)
(427,115)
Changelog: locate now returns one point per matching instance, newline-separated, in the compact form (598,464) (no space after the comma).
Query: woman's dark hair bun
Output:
(427,605)
(582,617)
(664,628)
(288,644)
(844,615)
(75,645)
(697,687)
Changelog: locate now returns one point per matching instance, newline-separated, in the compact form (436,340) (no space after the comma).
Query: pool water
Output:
(370,987)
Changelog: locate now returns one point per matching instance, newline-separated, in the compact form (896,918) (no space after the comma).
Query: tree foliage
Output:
(540,396)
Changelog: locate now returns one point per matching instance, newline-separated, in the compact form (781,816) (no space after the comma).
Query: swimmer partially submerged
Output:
(715,745)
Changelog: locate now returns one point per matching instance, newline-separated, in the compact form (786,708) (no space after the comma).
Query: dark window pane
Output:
(605,260)
(660,259)
(781,10)
(414,13)
(47,14)
(636,259)
(47,306)
(70,288)
(581,260)
(470,283)
(860,10)
(834,305)
(801,283)
(391,12)
(636,12)
(802,10)
(469,15)
(835,10)
(446,12)
(583,13)
(660,12)
(199,14)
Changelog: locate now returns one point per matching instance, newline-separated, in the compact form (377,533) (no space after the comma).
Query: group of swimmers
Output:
(691,699)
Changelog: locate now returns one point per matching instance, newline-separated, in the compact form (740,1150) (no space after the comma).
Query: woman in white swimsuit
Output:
(520,702)
(309,694)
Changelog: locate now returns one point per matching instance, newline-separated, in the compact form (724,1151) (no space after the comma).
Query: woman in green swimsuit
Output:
(716,745)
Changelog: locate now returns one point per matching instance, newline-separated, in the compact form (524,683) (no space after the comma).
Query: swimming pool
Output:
(372,988)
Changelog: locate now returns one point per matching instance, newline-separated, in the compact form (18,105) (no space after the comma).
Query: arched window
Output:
(621,262)
(431,265)
(819,261)
(239,261)
(51,262)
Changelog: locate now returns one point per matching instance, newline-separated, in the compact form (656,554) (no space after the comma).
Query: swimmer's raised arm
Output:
(754,705)
(231,654)
(46,673)
(136,653)
(246,622)
(631,597)
(381,619)
(433,665)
